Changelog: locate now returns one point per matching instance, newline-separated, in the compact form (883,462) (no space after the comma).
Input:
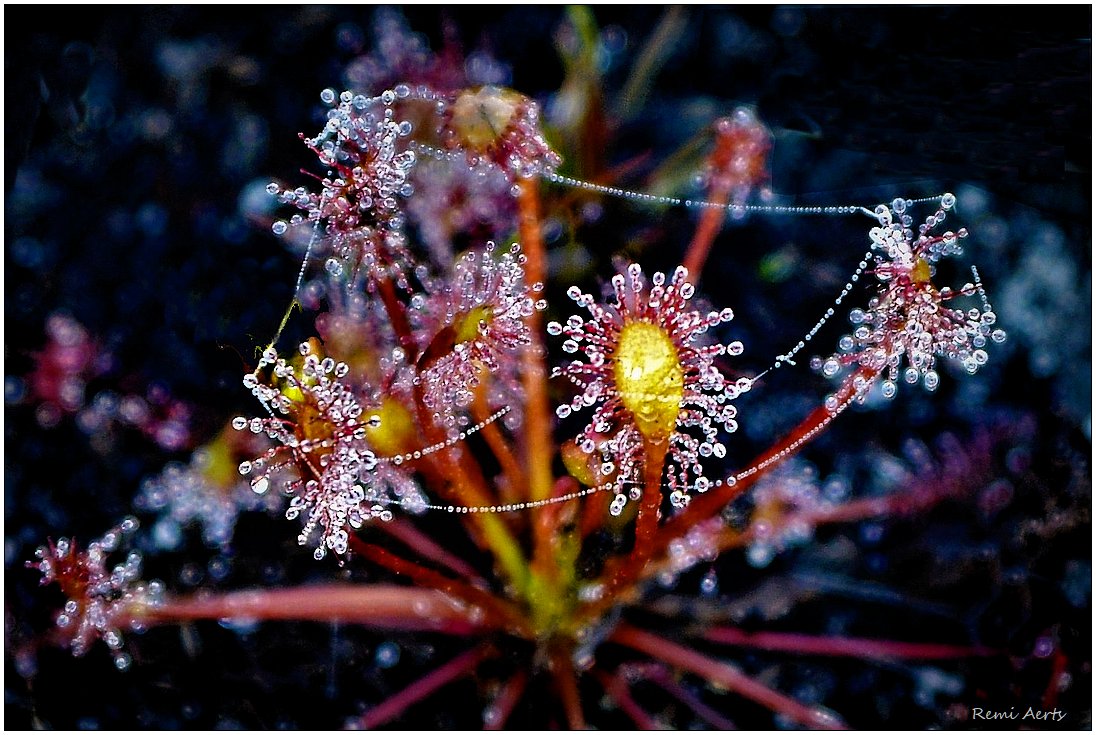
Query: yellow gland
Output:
(578,463)
(480,116)
(649,378)
(394,433)
(921,272)
(466,325)
(221,465)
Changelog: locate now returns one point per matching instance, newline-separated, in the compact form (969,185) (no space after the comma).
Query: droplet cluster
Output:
(495,126)
(706,395)
(783,503)
(101,601)
(739,164)
(364,148)
(320,431)
(908,320)
(195,493)
(62,369)
(477,322)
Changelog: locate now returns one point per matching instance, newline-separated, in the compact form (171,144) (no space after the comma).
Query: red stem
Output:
(660,676)
(397,315)
(724,675)
(567,688)
(388,607)
(497,610)
(650,502)
(538,414)
(711,222)
(504,703)
(617,689)
(397,704)
(712,502)
(627,572)
(427,548)
(802,644)
(504,453)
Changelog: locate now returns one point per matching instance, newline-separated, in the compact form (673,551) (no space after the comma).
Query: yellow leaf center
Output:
(649,378)
(395,433)
(466,325)
(480,116)
(921,272)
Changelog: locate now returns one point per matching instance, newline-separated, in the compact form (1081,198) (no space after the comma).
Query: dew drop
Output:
(932,380)
(387,655)
(709,583)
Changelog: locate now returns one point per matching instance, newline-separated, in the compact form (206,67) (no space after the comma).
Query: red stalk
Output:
(617,689)
(724,675)
(813,645)
(504,453)
(397,704)
(628,572)
(501,614)
(504,703)
(427,548)
(711,222)
(397,315)
(660,676)
(567,688)
(538,414)
(647,516)
(387,607)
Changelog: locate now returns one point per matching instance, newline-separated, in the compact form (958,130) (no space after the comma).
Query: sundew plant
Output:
(647,387)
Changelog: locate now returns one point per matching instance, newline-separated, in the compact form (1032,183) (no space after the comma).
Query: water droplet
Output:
(387,655)
(709,583)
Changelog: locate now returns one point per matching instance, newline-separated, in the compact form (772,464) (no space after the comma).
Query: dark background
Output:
(131,132)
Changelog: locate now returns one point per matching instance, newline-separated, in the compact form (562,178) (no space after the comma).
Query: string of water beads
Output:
(439,446)
(312,240)
(947,201)
(787,356)
(730,481)
(514,507)
(636,196)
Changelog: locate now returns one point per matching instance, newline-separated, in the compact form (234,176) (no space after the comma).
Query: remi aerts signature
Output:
(984,713)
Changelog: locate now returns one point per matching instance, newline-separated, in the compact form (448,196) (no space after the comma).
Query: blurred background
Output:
(139,259)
